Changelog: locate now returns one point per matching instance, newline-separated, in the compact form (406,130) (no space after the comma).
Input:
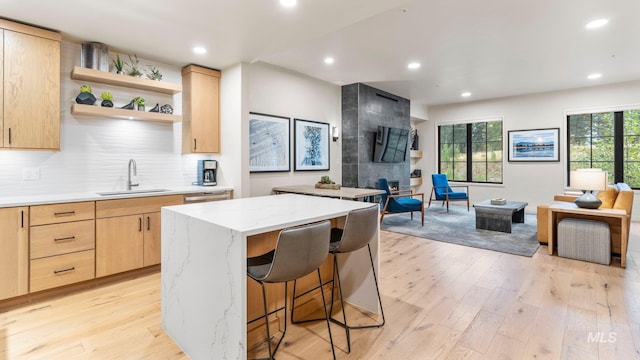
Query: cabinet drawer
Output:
(54,271)
(58,213)
(133,206)
(58,239)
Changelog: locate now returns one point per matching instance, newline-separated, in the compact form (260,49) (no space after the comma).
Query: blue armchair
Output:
(400,201)
(445,193)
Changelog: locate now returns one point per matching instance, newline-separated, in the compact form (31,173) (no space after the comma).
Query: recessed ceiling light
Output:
(597,23)
(199,50)
(594,76)
(288,3)
(414,65)
(329,60)
(465,94)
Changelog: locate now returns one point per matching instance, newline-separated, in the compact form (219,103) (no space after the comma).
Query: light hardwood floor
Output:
(442,301)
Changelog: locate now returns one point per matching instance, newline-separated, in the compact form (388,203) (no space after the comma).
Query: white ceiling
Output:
(491,48)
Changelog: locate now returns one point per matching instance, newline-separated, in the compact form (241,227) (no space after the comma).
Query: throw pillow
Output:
(608,197)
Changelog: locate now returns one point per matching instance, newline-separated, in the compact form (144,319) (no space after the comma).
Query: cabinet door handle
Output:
(139,224)
(148,223)
(63,213)
(195,142)
(22,219)
(65,238)
(9,136)
(64,270)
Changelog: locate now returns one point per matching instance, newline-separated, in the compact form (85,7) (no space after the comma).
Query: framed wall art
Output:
(311,145)
(534,145)
(269,143)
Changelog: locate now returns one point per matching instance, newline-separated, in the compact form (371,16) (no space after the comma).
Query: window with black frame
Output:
(607,140)
(471,152)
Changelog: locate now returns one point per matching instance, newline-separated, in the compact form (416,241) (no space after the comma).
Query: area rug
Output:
(458,226)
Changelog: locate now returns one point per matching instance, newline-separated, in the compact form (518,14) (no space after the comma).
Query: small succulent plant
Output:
(134,69)
(326,180)
(85,89)
(106,96)
(119,64)
(154,73)
(139,101)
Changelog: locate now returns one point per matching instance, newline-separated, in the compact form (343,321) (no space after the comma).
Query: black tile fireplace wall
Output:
(363,109)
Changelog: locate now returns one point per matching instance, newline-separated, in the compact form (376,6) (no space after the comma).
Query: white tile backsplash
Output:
(94,152)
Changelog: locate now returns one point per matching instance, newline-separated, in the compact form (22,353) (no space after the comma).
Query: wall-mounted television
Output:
(390,144)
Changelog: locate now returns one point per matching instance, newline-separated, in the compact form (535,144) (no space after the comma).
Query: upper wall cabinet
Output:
(200,110)
(30,87)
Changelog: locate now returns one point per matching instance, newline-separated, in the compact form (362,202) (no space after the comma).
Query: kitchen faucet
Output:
(132,164)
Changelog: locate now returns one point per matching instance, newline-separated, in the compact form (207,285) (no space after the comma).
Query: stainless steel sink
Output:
(129,192)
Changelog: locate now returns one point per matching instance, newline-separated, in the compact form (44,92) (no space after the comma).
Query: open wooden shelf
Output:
(415,181)
(117,113)
(80,73)
(416,153)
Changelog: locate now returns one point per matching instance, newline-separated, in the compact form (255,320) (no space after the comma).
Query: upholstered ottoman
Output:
(586,240)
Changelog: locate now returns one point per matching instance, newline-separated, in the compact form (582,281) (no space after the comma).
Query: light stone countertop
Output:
(261,214)
(41,199)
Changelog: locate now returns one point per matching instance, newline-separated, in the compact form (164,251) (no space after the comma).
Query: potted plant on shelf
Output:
(326,183)
(119,64)
(134,69)
(140,102)
(154,73)
(106,99)
(85,97)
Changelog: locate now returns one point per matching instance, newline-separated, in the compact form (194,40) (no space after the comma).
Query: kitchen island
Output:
(204,251)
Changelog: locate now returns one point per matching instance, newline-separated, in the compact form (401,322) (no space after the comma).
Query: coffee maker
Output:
(207,172)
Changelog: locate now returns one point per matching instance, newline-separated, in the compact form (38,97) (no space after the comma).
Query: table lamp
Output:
(588,180)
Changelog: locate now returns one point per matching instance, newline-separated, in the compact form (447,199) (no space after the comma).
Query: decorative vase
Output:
(85,98)
(155,108)
(121,72)
(140,107)
(107,103)
(129,106)
(166,109)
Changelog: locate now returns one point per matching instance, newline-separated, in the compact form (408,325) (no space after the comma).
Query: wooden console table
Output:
(342,193)
(617,220)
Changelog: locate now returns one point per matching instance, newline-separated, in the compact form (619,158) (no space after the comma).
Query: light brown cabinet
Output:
(200,110)
(30,87)
(62,244)
(151,239)
(128,233)
(119,244)
(14,252)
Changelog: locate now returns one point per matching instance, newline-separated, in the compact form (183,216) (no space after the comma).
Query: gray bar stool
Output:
(298,252)
(359,230)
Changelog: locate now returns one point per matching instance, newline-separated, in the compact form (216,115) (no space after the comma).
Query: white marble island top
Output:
(256,215)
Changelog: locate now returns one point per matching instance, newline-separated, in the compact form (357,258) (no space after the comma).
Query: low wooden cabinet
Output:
(151,239)
(62,244)
(14,252)
(119,244)
(200,110)
(128,233)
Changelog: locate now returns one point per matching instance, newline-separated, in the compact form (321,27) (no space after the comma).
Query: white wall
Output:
(233,113)
(535,183)
(94,153)
(276,91)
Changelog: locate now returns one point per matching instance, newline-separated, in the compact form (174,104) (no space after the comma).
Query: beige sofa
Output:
(619,196)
